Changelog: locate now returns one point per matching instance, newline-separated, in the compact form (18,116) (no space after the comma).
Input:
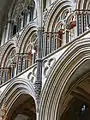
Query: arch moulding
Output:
(14,90)
(73,64)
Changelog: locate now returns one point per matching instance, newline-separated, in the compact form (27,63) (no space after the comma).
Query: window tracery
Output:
(8,71)
(65,14)
(11,63)
(66,23)
(31,49)
(22,14)
(71,26)
(63,31)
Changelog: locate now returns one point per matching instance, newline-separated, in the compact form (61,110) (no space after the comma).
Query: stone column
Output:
(48,2)
(85,21)
(82,21)
(13,71)
(7,31)
(77,27)
(19,63)
(47,43)
(0,76)
(67,36)
(50,42)
(28,17)
(38,81)
(59,39)
(22,22)
(9,73)
(29,59)
(79,23)
(54,41)
(3,75)
(88,19)
(3,109)
(44,44)
(3,35)
(24,61)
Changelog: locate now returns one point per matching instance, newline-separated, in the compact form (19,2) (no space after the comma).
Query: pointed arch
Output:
(54,12)
(8,48)
(12,7)
(28,31)
(73,64)
(17,92)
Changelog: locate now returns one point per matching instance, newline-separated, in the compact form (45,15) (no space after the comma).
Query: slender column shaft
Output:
(3,109)
(7,32)
(3,36)
(38,82)
(28,17)
(22,23)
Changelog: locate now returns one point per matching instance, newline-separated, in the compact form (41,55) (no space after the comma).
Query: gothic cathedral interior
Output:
(44,59)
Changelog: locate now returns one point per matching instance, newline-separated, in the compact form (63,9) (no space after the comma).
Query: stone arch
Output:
(20,14)
(28,31)
(9,47)
(12,7)
(78,92)
(17,92)
(54,12)
(71,66)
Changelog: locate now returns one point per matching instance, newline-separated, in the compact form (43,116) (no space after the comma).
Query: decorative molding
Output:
(19,87)
(48,65)
(32,75)
(64,73)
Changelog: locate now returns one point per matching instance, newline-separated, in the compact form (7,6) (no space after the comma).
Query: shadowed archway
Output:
(18,100)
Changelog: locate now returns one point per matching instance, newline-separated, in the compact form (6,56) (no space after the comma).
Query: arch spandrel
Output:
(75,63)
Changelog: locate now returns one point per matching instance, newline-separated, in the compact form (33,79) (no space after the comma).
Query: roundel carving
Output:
(48,65)
(32,75)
